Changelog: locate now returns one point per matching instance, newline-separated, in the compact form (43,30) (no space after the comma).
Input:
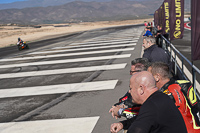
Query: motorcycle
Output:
(22,46)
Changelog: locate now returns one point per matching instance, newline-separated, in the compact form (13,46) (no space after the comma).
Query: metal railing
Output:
(179,65)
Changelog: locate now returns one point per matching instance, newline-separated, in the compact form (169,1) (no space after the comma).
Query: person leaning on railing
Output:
(154,53)
(181,92)
(125,107)
(159,40)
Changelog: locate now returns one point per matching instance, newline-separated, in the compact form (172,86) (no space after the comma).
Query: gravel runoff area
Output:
(10,33)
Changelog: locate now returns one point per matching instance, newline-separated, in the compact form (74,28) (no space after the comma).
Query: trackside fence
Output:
(179,63)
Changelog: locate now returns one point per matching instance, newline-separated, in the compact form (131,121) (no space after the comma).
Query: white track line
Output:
(80,49)
(63,55)
(56,89)
(62,71)
(103,41)
(112,39)
(72,125)
(66,61)
(88,45)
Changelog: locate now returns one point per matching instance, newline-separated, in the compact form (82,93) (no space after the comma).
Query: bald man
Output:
(158,112)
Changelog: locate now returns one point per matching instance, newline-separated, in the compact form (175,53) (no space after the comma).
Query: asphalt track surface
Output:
(69,83)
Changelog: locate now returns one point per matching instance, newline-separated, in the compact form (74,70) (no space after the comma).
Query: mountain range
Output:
(79,11)
(45,3)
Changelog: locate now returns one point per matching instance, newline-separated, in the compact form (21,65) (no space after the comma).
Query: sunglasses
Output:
(131,72)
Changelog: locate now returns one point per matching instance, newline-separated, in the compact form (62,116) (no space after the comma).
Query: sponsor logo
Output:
(166,5)
(177,32)
(167,92)
(130,116)
(179,97)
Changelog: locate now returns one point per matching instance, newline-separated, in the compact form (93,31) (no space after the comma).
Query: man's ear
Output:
(157,77)
(141,90)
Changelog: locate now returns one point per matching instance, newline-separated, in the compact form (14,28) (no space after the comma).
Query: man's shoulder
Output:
(156,50)
(155,98)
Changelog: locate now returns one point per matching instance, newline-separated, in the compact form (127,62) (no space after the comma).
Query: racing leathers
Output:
(130,109)
(20,42)
(183,94)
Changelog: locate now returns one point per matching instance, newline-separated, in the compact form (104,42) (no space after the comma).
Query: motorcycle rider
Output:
(19,41)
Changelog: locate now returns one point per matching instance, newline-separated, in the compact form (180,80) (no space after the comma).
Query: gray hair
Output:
(150,39)
(141,63)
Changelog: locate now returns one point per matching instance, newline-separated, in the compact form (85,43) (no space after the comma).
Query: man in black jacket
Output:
(154,53)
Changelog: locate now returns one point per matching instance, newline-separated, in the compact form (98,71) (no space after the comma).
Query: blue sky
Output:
(9,1)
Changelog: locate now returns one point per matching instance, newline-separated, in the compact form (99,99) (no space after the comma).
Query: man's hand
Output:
(116,127)
(114,111)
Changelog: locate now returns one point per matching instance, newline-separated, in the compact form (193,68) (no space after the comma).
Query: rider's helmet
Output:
(19,39)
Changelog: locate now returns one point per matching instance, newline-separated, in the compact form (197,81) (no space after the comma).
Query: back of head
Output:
(140,63)
(142,85)
(162,69)
(150,39)
(144,78)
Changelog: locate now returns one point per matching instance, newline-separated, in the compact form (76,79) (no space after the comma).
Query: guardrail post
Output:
(175,71)
(182,63)
(171,54)
(182,67)
(194,81)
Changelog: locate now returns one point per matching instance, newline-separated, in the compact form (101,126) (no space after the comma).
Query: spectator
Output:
(158,112)
(148,32)
(125,107)
(168,85)
(159,40)
(148,24)
(153,53)
(145,24)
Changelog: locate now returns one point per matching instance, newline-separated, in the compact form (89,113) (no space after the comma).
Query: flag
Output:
(161,16)
(156,18)
(166,26)
(176,19)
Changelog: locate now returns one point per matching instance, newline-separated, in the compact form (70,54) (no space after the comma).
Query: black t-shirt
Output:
(158,114)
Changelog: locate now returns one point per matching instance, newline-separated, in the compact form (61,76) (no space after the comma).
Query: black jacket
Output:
(156,54)
(158,114)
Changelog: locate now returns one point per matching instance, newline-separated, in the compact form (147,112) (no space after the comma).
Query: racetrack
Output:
(69,82)
(73,80)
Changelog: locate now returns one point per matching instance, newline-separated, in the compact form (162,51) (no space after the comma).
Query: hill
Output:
(45,3)
(80,11)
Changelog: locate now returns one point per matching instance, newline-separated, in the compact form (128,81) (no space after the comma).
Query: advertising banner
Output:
(195,29)
(176,19)
(156,18)
(166,27)
(161,16)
